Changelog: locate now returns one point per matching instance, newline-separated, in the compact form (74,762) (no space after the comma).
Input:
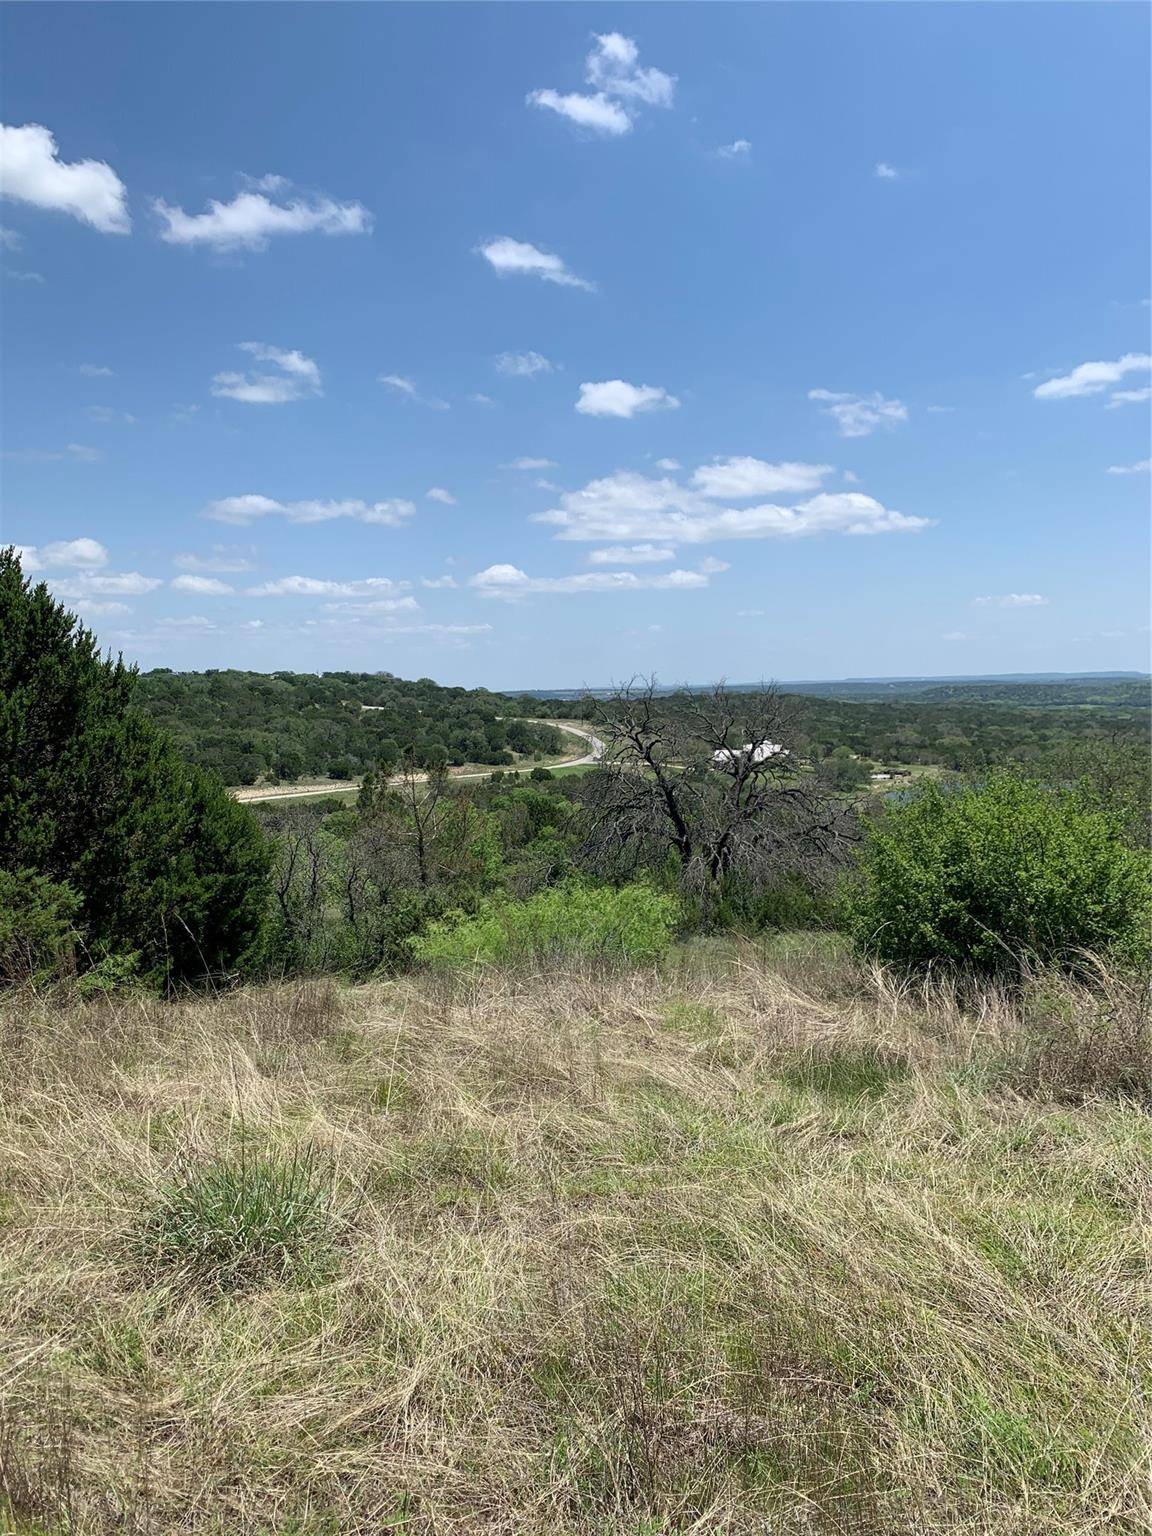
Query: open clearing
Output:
(750,1244)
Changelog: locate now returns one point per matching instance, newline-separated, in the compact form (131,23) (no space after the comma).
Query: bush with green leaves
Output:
(243,1219)
(38,935)
(631,924)
(94,797)
(997,875)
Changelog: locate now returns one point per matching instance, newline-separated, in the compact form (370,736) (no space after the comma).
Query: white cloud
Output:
(712,567)
(614,397)
(739,149)
(24,277)
(508,581)
(1141,467)
(518,257)
(860,415)
(10,239)
(93,608)
(72,554)
(298,377)
(956,634)
(247,509)
(399,385)
(1011,600)
(78,451)
(1129,397)
(612,68)
(224,557)
(438,493)
(739,479)
(885,172)
(751,613)
(482,400)
(630,554)
(311,586)
(95,371)
(434,583)
(251,219)
(1093,378)
(629,506)
(545,485)
(105,415)
(522,365)
(376,606)
(203,586)
(32,172)
(107,584)
(530,464)
(598,111)
(671,464)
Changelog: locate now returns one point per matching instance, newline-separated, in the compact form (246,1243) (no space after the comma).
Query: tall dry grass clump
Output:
(755,1242)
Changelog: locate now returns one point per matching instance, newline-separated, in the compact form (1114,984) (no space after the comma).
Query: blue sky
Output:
(795,301)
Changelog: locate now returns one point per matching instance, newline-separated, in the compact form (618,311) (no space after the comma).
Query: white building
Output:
(758,752)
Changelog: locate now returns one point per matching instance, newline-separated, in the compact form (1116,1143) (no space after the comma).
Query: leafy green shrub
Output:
(243,1219)
(634,923)
(995,875)
(37,926)
(96,798)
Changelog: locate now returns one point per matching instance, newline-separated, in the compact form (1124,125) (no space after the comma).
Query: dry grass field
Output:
(754,1243)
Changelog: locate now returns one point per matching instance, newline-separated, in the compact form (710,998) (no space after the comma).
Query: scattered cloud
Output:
(482,400)
(1095,378)
(224,557)
(1011,600)
(956,634)
(19,276)
(107,584)
(669,464)
(1141,467)
(860,415)
(434,583)
(202,586)
(31,171)
(522,365)
(80,452)
(739,149)
(740,479)
(10,239)
(629,506)
(438,493)
(630,554)
(376,606)
(406,388)
(298,377)
(105,415)
(751,613)
(248,508)
(508,581)
(1129,397)
(599,111)
(72,554)
(882,171)
(311,586)
(251,219)
(507,256)
(95,371)
(614,397)
(530,464)
(613,69)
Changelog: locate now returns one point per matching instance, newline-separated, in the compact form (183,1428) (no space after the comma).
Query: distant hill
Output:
(1039,689)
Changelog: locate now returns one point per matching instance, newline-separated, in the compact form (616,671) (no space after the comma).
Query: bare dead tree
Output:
(714,780)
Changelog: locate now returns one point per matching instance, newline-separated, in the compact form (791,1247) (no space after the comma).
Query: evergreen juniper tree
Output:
(96,798)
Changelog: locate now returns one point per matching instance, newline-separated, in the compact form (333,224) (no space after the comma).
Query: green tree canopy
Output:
(95,797)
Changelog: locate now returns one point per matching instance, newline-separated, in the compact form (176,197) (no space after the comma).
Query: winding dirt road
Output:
(251,793)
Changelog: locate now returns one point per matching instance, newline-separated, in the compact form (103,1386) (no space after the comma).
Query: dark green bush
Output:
(995,876)
(165,864)
(37,926)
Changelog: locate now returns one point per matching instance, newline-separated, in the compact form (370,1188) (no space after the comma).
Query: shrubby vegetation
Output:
(997,875)
(709,812)
(284,726)
(148,854)
(631,925)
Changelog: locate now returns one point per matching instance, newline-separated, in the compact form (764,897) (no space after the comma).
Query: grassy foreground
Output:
(753,1244)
